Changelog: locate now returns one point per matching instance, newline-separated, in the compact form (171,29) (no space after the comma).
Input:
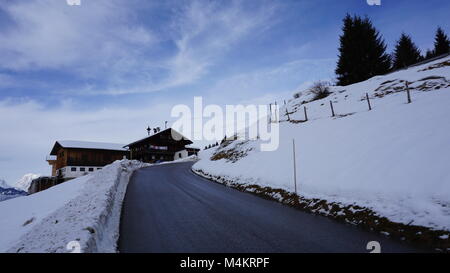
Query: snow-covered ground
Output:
(393,159)
(85,210)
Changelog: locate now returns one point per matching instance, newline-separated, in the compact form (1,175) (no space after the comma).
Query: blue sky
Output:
(105,70)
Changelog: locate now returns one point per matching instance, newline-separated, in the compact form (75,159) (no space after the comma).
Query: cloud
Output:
(48,34)
(107,40)
(207,31)
(267,84)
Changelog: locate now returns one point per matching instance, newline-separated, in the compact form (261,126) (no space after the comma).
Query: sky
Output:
(107,69)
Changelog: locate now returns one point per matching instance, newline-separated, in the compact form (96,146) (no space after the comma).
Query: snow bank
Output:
(393,159)
(85,210)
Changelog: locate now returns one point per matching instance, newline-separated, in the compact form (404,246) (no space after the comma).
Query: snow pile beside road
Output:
(393,160)
(85,210)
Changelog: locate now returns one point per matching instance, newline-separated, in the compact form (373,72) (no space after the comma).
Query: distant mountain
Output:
(8,192)
(25,182)
(3,184)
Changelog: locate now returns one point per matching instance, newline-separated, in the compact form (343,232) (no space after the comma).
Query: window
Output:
(91,169)
(73,169)
(82,169)
(99,168)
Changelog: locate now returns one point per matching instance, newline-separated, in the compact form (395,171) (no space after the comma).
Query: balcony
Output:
(50,158)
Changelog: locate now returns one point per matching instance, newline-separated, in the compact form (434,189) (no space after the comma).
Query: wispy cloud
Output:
(48,34)
(105,40)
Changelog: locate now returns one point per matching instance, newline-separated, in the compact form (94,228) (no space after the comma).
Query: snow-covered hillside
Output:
(25,182)
(393,159)
(85,210)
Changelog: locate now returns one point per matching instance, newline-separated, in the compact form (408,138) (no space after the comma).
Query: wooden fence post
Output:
(287,113)
(407,92)
(368,101)
(332,109)
(295,166)
(306,115)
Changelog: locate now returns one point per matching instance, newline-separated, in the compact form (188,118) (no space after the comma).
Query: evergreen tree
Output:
(406,52)
(362,52)
(441,43)
(429,54)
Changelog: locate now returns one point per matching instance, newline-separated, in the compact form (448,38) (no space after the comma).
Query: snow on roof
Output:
(91,145)
(173,132)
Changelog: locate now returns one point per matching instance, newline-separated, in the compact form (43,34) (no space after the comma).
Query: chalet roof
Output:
(86,145)
(166,131)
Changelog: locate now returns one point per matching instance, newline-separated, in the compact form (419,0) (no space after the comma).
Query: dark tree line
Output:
(362,51)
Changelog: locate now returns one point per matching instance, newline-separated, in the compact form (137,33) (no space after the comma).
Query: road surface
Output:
(168,209)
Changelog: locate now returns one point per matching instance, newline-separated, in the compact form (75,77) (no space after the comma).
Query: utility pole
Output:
(276,109)
(270,111)
(165,124)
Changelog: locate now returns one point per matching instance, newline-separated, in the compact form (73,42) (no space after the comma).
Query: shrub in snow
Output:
(320,90)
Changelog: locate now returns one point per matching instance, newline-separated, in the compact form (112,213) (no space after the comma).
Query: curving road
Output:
(167,208)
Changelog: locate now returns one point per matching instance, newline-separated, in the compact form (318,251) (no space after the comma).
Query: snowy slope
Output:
(393,159)
(86,210)
(25,182)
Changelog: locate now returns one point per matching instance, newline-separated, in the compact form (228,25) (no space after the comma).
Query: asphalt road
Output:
(168,209)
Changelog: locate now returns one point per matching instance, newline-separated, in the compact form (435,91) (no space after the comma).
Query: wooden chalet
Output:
(70,159)
(166,145)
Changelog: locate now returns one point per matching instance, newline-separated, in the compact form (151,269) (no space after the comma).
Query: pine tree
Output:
(429,54)
(362,52)
(406,52)
(441,43)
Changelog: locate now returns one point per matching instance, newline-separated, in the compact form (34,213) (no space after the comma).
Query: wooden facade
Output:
(158,147)
(86,157)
